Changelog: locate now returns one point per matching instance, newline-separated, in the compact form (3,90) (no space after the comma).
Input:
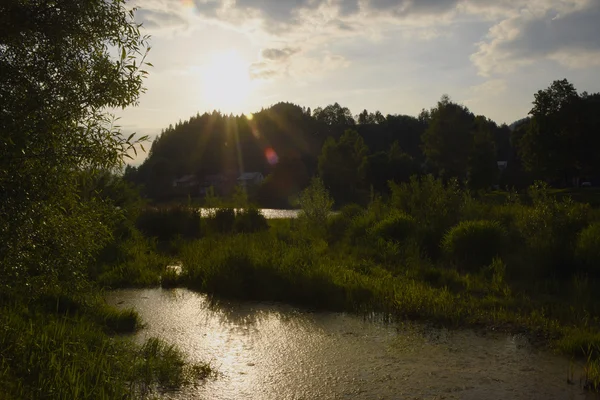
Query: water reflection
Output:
(272,351)
(269,213)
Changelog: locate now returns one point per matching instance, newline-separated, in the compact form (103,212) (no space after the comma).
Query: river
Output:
(269,213)
(270,351)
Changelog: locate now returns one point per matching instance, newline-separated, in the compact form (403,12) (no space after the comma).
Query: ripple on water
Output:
(272,351)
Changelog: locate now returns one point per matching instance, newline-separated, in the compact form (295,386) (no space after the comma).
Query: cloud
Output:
(264,70)
(278,54)
(305,66)
(154,19)
(521,32)
(564,31)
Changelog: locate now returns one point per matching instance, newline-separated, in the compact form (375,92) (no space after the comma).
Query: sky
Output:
(395,56)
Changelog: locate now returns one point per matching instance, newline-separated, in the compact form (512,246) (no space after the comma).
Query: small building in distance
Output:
(186,181)
(248,179)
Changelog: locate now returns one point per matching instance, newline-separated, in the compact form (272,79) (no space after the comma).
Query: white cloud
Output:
(563,31)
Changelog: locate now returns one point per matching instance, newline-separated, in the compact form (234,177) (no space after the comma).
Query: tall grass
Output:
(70,356)
(431,251)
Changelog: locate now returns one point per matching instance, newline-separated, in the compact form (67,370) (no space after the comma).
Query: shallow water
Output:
(272,351)
(269,213)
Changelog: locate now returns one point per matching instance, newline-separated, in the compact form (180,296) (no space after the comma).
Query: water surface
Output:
(271,351)
(269,213)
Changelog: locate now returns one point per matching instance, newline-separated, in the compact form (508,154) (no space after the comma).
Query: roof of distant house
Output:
(248,176)
(186,178)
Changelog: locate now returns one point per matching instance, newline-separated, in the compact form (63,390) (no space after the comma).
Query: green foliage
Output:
(315,204)
(435,206)
(250,220)
(133,262)
(396,226)
(474,244)
(342,165)
(588,249)
(483,168)
(557,142)
(48,355)
(549,230)
(167,223)
(58,80)
(448,139)
(339,223)
(222,221)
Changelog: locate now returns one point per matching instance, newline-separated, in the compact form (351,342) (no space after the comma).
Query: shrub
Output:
(429,201)
(222,221)
(587,249)
(435,205)
(473,244)
(397,227)
(316,204)
(250,220)
(337,226)
(549,230)
(359,228)
(350,211)
(166,223)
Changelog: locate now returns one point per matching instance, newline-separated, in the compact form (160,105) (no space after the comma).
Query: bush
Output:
(250,220)
(359,227)
(435,205)
(338,224)
(222,221)
(350,211)
(316,204)
(587,250)
(549,230)
(474,244)
(166,223)
(397,227)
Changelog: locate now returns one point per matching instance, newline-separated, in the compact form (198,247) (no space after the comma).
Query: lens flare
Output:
(271,156)
(249,116)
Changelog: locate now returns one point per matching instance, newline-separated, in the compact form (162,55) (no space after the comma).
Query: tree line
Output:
(358,155)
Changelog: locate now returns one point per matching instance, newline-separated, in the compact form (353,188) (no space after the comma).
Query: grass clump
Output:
(588,249)
(474,244)
(70,356)
(132,262)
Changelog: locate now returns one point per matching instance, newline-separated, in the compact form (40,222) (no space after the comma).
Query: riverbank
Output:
(430,252)
(64,345)
(271,351)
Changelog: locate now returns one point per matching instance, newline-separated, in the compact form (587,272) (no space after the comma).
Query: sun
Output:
(226,82)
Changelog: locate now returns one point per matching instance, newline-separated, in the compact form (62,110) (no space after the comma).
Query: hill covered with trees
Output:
(358,154)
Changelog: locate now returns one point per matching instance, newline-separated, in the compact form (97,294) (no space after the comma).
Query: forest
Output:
(356,155)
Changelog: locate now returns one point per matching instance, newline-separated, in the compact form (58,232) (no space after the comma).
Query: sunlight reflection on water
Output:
(269,213)
(272,351)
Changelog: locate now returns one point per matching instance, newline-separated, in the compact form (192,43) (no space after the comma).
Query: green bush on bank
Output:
(397,227)
(250,220)
(474,244)
(167,223)
(588,249)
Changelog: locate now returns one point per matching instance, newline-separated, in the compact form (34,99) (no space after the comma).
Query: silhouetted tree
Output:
(483,166)
(342,166)
(447,142)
